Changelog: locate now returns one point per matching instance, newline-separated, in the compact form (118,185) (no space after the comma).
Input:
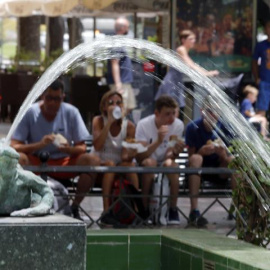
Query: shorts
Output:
(67,161)
(208,163)
(263,97)
(128,96)
(212,163)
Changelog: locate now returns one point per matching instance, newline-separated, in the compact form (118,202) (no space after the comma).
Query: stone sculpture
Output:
(22,193)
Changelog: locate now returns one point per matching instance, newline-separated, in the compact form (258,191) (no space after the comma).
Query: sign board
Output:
(223,30)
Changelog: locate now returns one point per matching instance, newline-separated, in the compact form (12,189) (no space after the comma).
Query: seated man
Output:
(154,132)
(204,150)
(109,132)
(38,130)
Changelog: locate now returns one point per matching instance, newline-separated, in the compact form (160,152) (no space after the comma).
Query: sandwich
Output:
(216,142)
(173,138)
(130,140)
(59,139)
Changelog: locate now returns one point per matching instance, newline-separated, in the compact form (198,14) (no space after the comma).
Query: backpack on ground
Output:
(124,209)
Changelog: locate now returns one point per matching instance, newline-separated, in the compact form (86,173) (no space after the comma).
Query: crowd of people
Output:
(41,126)
(56,127)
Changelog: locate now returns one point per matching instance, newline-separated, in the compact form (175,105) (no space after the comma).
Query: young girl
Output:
(248,111)
(108,135)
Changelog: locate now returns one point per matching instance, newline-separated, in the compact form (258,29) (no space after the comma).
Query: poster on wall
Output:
(223,30)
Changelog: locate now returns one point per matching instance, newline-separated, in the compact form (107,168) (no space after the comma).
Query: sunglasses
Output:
(118,102)
(52,98)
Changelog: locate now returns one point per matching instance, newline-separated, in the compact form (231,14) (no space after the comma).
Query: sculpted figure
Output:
(19,188)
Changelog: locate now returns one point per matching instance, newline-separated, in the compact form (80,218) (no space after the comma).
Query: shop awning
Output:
(22,8)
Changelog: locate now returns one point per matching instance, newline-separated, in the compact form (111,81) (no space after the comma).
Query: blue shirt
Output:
(262,50)
(246,105)
(67,122)
(126,73)
(197,136)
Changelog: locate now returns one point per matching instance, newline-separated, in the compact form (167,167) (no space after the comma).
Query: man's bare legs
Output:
(86,180)
(174,182)
(194,180)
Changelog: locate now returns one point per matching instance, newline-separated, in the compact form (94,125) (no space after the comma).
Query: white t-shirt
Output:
(147,131)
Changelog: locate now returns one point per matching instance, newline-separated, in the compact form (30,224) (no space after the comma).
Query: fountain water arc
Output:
(101,49)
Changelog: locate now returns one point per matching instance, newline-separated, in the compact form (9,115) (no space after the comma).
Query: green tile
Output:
(178,248)
(247,267)
(198,252)
(142,231)
(107,232)
(210,256)
(196,263)
(223,267)
(145,239)
(107,238)
(144,256)
(194,250)
(167,241)
(113,256)
(170,258)
(186,247)
(233,264)
(185,261)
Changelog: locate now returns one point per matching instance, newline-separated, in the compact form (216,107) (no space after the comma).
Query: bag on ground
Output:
(61,201)
(125,208)
(159,201)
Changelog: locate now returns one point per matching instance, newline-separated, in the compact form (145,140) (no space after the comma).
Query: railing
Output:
(213,192)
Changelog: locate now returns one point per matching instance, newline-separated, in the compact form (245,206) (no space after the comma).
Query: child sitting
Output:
(248,111)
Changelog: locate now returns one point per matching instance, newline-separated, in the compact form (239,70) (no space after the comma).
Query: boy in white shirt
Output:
(155,132)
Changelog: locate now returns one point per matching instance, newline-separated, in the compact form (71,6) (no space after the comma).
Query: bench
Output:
(215,192)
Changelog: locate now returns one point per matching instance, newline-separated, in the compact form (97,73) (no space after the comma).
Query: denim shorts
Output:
(263,97)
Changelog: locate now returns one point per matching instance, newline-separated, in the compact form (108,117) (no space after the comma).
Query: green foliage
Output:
(251,195)
(152,38)
(48,60)
(27,61)
(24,61)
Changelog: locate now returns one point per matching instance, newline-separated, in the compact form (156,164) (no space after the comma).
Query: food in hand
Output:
(59,139)
(173,138)
(133,144)
(130,140)
(216,142)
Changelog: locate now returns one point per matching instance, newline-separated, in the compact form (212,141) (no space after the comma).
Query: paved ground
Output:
(217,216)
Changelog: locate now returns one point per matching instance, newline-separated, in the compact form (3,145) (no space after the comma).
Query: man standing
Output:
(155,132)
(120,74)
(56,127)
(261,72)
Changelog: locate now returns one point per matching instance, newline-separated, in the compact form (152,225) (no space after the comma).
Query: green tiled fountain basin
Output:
(171,249)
